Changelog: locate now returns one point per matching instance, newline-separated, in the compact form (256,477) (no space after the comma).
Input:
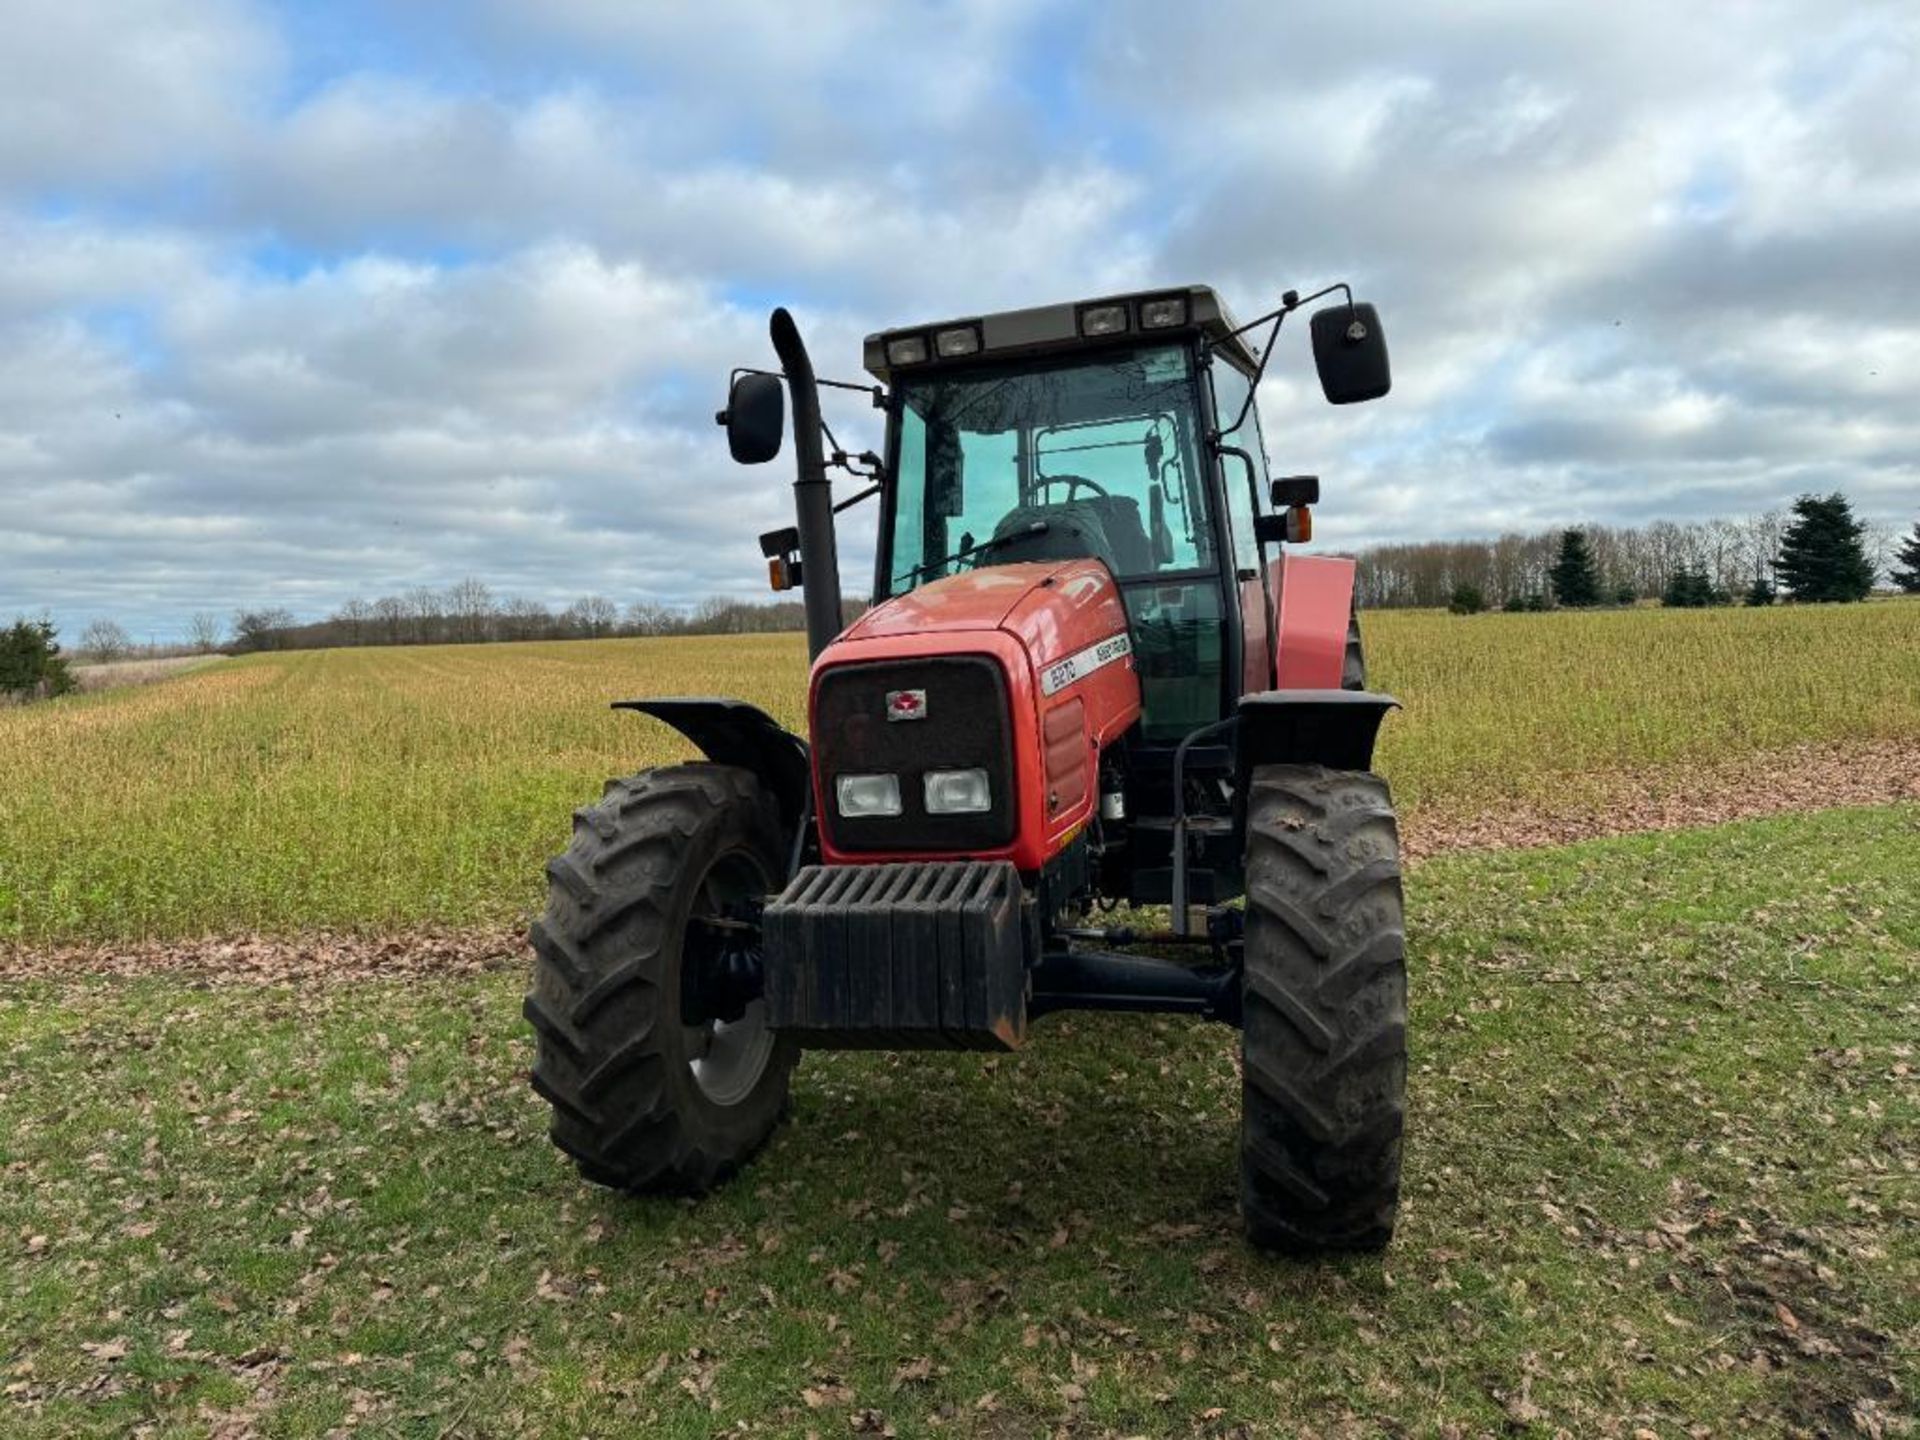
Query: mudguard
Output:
(1313,600)
(732,732)
(1335,728)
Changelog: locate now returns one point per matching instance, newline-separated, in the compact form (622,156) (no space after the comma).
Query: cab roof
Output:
(1059,328)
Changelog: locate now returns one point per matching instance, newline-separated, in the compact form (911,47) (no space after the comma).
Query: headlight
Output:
(868,795)
(958,792)
(907,350)
(1103,320)
(1163,314)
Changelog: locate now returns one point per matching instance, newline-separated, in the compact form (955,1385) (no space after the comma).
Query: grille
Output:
(966,727)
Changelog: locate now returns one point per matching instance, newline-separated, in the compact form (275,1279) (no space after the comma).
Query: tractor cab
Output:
(1102,451)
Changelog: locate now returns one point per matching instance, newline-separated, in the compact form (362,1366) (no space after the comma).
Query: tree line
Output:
(470,613)
(1819,551)
(1722,558)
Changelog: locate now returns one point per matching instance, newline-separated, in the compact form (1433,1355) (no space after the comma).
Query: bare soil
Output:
(1808,777)
(278,960)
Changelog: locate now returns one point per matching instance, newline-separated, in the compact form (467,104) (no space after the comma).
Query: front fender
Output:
(732,732)
(1335,728)
(1313,601)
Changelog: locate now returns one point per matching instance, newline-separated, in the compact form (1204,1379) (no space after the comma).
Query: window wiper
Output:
(1038,527)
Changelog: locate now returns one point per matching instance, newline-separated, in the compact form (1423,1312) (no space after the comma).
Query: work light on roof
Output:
(1163,314)
(1098,320)
(961,340)
(907,350)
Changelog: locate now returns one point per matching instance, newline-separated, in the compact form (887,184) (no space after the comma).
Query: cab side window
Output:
(1230,390)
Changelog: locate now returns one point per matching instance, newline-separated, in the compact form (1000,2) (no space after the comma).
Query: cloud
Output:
(301,305)
(126,93)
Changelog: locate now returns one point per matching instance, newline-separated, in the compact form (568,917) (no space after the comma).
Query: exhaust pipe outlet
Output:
(812,491)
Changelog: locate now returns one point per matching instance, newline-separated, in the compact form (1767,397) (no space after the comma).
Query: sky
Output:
(300,303)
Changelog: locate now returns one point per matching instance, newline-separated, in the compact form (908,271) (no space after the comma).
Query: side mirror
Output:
(1350,352)
(1291,490)
(755,417)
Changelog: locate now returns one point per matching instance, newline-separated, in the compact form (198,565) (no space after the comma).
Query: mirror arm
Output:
(853,500)
(1253,385)
(1289,302)
(840,459)
(878,393)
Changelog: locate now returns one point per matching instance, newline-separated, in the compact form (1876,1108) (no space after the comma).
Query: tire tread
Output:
(1324,1056)
(598,1005)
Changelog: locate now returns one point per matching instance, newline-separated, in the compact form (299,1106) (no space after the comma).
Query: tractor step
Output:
(905,956)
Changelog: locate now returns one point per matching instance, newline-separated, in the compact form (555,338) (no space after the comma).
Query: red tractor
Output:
(1091,678)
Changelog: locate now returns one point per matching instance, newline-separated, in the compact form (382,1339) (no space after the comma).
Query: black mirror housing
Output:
(1290,490)
(755,417)
(1350,352)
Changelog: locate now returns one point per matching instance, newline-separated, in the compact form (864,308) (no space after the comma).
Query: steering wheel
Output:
(1072,482)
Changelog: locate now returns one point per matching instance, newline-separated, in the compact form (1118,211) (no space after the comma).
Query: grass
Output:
(379,788)
(1663,1173)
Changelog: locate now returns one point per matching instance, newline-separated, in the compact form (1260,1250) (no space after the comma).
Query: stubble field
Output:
(372,789)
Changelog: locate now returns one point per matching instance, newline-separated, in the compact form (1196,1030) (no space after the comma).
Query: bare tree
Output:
(649,617)
(425,613)
(592,616)
(356,616)
(104,641)
(1765,532)
(1882,544)
(470,606)
(205,632)
(524,620)
(390,612)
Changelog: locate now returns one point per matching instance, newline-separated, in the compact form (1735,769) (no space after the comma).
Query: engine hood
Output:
(972,600)
(1023,670)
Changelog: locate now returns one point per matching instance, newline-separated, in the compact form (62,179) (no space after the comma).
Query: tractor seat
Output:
(1106,527)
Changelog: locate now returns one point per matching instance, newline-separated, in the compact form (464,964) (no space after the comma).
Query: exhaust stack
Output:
(812,491)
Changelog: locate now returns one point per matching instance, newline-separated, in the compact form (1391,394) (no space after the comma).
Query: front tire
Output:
(1324,1034)
(650,1092)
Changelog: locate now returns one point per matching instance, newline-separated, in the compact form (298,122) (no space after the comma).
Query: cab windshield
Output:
(1095,457)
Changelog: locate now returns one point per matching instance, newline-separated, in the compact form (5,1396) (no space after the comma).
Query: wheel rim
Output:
(734,1055)
(725,1057)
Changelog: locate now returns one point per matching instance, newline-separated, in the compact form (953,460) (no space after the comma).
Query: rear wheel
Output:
(1324,1034)
(651,1046)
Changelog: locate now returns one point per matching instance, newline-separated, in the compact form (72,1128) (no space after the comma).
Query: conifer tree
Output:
(1822,556)
(1907,574)
(1573,578)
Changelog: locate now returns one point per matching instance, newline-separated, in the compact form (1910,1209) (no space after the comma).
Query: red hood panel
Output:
(971,600)
(1048,624)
